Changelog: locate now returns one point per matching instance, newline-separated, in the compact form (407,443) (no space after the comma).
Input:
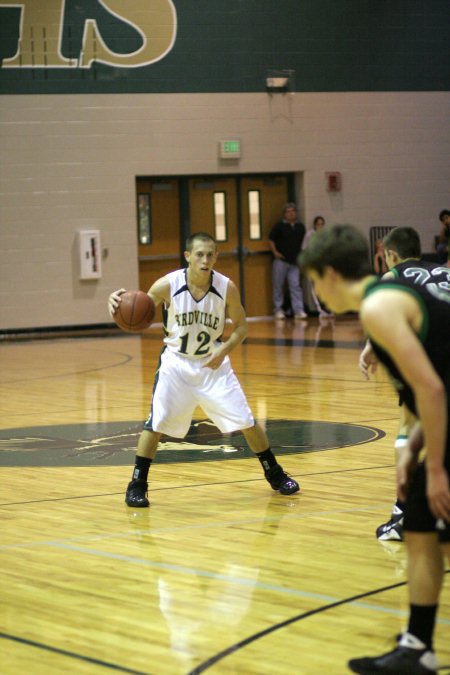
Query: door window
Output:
(220,216)
(254,214)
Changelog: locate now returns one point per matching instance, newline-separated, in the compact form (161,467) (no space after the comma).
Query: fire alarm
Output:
(334,181)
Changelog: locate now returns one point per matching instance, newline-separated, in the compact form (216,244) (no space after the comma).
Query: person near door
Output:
(309,295)
(408,326)
(442,247)
(285,241)
(194,368)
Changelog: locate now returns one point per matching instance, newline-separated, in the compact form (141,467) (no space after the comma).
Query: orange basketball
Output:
(136,311)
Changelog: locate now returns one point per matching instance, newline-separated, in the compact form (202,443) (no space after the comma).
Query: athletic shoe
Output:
(137,494)
(401,661)
(325,315)
(280,481)
(393,529)
(279,315)
(302,315)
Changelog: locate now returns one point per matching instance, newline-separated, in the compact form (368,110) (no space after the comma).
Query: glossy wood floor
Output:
(220,575)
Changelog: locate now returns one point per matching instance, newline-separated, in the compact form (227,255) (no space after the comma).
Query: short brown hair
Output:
(342,247)
(405,241)
(203,236)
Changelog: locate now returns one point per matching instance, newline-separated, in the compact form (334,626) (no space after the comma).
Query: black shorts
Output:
(418,517)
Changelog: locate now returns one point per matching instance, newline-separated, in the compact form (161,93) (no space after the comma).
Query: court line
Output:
(256,636)
(184,528)
(239,581)
(73,373)
(73,655)
(196,485)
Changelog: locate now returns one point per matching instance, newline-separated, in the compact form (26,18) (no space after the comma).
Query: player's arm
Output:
(443,235)
(235,312)
(159,292)
(368,361)
(273,247)
(390,318)
(274,250)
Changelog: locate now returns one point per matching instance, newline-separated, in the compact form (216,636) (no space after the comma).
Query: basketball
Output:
(136,311)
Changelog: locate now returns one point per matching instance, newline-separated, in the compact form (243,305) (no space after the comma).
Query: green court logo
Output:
(114,443)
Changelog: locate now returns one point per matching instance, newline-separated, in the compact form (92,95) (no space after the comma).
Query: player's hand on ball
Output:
(114,301)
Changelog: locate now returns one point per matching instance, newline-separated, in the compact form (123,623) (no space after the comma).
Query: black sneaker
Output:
(280,481)
(137,494)
(401,661)
(393,529)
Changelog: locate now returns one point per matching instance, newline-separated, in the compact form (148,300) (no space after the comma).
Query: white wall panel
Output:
(68,162)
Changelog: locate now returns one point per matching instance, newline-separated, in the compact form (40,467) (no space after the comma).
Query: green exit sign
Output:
(230,149)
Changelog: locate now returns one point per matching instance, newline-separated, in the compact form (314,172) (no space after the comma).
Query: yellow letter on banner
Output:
(40,35)
(41,27)
(155,20)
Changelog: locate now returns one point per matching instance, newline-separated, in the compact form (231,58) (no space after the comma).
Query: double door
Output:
(238,211)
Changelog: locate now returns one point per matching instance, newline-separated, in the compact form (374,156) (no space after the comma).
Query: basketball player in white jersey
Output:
(195,369)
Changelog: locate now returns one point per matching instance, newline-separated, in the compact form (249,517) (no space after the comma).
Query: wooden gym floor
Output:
(220,575)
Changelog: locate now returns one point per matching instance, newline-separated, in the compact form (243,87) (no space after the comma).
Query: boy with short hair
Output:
(409,329)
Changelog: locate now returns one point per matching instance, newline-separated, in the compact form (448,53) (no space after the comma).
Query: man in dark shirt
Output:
(285,241)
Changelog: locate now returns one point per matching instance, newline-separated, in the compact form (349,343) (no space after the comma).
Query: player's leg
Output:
(392,530)
(278,479)
(425,539)
(225,403)
(414,654)
(136,494)
(171,413)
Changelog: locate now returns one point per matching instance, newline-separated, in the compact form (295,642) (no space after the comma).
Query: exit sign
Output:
(230,149)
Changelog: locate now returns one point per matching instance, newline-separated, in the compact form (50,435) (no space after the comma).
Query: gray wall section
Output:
(69,162)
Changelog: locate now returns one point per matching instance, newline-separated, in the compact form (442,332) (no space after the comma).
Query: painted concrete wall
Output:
(69,162)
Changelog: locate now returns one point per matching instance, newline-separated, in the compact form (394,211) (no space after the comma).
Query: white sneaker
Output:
(302,315)
(279,315)
(325,315)
(393,529)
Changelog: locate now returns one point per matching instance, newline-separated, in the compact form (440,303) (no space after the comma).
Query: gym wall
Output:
(90,98)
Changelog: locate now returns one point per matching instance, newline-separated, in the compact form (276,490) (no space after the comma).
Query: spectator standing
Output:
(379,262)
(308,289)
(442,248)
(285,241)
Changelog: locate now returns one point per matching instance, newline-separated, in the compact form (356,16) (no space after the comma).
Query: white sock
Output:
(401,441)
(428,658)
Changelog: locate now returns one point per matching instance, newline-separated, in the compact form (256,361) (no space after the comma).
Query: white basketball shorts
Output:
(181,384)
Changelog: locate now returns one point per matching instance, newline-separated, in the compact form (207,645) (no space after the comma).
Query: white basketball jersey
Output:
(193,327)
